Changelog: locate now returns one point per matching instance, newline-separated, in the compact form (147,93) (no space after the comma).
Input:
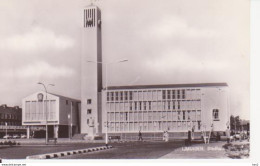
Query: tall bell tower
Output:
(91,72)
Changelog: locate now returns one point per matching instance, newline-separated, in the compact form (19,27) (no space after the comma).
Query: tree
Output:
(235,123)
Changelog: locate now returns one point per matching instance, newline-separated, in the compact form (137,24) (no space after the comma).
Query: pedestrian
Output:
(228,134)
(192,132)
(163,135)
(140,138)
(189,137)
(166,136)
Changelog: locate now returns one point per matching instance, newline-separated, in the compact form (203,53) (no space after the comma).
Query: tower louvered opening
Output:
(89,18)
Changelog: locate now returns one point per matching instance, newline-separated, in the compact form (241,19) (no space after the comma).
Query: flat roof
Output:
(167,86)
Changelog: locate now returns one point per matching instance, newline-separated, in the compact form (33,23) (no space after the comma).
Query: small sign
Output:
(40,97)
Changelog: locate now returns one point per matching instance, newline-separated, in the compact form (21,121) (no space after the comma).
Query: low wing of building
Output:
(59,113)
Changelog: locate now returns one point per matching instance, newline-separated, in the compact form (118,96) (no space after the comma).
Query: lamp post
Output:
(71,125)
(106,64)
(70,121)
(46,117)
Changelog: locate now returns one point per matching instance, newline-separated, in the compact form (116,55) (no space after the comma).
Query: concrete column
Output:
(56,131)
(28,132)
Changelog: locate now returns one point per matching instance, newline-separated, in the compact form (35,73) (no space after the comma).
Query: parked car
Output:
(7,137)
(16,136)
(23,136)
(237,136)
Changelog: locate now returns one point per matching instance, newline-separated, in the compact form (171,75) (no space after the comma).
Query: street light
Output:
(125,60)
(46,123)
(70,121)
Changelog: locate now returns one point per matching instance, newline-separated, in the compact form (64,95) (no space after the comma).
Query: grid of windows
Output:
(146,95)
(150,110)
(36,110)
(10,116)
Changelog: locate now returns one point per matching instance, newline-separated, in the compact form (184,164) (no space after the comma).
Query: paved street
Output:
(125,150)
(20,152)
(132,150)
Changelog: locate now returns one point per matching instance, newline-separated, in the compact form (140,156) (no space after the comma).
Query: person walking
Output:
(140,138)
(166,136)
(189,137)
(163,135)
(192,132)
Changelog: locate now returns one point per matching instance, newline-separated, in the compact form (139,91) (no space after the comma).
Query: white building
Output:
(60,113)
(172,108)
(151,108)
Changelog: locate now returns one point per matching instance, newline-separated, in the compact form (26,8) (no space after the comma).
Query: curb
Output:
(66,153)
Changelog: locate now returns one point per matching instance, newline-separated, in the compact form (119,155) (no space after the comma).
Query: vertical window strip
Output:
(86,18)
(92,17)
(90,14)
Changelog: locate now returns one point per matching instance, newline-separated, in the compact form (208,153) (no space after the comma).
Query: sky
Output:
(165,42)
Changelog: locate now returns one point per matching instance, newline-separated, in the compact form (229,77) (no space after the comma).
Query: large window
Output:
(198,115)
(168,94)
(116,93)
(27,112)
(189,117)
(112,96)
(121,96)
(179,115)
(107,96)
(126,97)
(130,106)
(163,94)
(183,93)
(130,95)
(173,94)
(52,110)
(150,107)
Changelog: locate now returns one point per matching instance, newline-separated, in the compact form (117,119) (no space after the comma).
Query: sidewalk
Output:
(39,141)
(199,151)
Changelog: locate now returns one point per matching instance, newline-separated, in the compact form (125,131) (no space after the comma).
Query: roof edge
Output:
(167,86)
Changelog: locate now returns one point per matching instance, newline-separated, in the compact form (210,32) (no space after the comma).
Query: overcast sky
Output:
(165,41)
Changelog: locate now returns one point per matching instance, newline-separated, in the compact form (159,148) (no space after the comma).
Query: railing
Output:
(12,127)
